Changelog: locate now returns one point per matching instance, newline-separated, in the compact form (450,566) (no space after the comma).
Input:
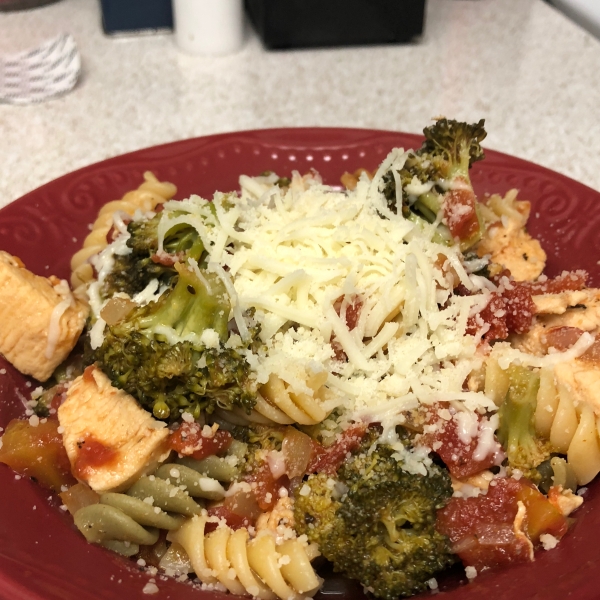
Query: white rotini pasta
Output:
(496,381)
(565,415)
(146,197)
(258,567)
(279,403)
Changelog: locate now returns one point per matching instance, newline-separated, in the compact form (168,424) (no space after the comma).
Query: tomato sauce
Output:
(482,529)
(189,440)
(563,338)
(459,211)
(92,455)
(328,460)
(458,455)
(265,487)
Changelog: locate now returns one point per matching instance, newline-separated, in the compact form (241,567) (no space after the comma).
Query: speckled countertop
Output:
(521,65)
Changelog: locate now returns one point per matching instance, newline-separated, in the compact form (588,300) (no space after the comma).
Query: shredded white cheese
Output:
(325,271)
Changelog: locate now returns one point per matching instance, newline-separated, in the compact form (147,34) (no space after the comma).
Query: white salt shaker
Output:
(209,27)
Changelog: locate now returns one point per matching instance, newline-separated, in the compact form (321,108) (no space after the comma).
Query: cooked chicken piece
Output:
(580,309)
(109,439)
(506,240)
(557,304)
(40,320)
(531,342)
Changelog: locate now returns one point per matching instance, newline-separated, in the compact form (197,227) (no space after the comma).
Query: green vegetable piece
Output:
(212,466)
(134,271)
(195,484)
(123,548)
(563,474)
(525,451)
(377,522)
(164,495)
(444,159)
(142,512)
(157,355)
(100,522)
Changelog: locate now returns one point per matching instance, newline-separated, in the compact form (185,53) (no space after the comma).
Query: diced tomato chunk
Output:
(566,281)
(511,309)
(352,311)
(328,460)
(494,316)
(482,530)
(37,452)
(520,308)
(459,211)
(592,354)
(243,503)
(264,486)
(232,519)
(166,259)
(189,441)
(458,455)
(562,338)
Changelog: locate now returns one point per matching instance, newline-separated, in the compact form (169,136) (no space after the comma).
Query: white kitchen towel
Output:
(41,73)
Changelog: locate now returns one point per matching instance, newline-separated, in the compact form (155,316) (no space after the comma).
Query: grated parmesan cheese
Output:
(299,259)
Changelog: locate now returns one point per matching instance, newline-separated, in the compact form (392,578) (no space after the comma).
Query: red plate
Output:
(42,556)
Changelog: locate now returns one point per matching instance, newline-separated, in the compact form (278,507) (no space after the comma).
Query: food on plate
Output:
(40,319)
(110,441)
(378,376)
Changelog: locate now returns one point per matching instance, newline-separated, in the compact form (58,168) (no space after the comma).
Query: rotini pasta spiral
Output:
(221,468)
(123,522)
(279,403)
(196,485)
(146,197)
(258,567)
(566,417)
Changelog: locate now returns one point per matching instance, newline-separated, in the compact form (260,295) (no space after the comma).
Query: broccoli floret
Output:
(158,355)
(442,162)
(453,146)
(376,522)
(132,272)
(525,451)
(260,437)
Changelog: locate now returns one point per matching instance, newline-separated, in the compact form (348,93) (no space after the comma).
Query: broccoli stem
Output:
(517,434)
(197,302)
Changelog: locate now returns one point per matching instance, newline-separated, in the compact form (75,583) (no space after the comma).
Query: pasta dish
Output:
(378,376)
